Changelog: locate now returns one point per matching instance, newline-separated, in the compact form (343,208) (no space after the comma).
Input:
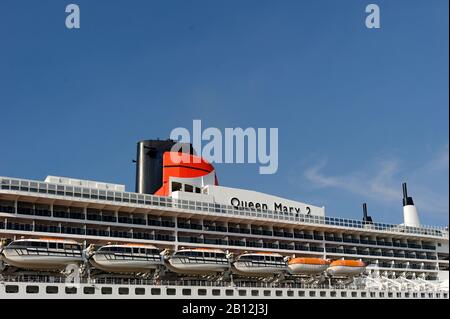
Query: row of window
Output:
(207,254)
(44,244)
(129,250)
(261,258)
(199,240)
(32,289)
(75,213)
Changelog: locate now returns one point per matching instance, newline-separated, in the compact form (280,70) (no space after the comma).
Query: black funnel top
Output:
(149,163)
(366,219)
(406,200)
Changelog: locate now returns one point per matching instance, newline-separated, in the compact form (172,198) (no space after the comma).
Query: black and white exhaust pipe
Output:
(410,214)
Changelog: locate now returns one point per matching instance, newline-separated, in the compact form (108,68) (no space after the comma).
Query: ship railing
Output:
(29,186)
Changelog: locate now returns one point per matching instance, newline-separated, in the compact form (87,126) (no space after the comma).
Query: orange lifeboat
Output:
(307,265)
(346,268)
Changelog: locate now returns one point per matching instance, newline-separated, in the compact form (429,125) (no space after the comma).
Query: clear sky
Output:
(358,110)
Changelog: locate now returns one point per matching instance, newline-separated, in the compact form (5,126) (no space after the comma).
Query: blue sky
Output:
(358,110)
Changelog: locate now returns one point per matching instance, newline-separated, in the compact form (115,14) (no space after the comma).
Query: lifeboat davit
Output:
(346,268)
(42,254)
(307,266)
(125,258)
(259,264)
(198,261)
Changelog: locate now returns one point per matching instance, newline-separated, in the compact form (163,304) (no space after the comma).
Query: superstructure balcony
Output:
(266,232)
(318,237)
(164,237)
(97,232)
(286,246)
(143,235)
(19,226)
(301,247)
(250,243)
(270,245)
(47,228)
(190,239)
(233,242)
(278,233)
(350,251)
(7,207)
(215,241)
(256,231)
(121,233)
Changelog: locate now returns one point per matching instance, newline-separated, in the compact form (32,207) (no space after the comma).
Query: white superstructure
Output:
(207,238)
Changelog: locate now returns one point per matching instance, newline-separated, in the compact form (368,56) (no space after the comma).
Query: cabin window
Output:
(155,291)
(267,293)
(123,291)
(11,289)
(216,292)
(60,246)
(171,291)
(106,290)
(188,188)
(279,293)
(198,190)
(207,254)
(32,289)
(176,186)
(186,292)
(135,250)
(202,292)
(52,245)
(71,290)
(89,290)
(229,292)
(139,291)
(51,289)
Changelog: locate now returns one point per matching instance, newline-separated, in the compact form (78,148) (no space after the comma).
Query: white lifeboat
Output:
(307,265)
(346,268)
(198,261)
(42,254)
(125,258)
(259,264)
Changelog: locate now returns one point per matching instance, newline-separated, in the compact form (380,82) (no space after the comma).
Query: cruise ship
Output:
(181,235)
